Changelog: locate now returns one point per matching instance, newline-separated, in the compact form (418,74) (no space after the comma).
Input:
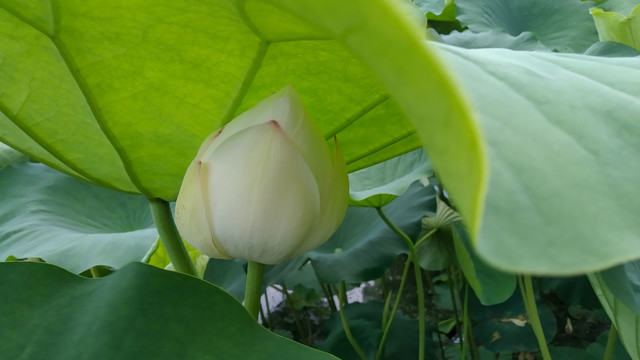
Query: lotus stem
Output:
(253,288)
(526,287)
(342,299)
(413,258)
(611,343)
(171,240)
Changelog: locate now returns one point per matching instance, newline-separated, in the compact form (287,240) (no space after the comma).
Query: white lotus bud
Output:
(265,187)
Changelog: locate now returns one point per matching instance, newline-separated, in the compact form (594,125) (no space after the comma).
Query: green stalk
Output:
(434,314)
(253,288)
(342,299)
(465,323)
(526,287)
(323,287)
(384,285)
(611,343)
(422,325)
(413,258)
(467,330)
(292,308)
(171,240)
(425,238)
(387,324)
(266,303)
(453,289)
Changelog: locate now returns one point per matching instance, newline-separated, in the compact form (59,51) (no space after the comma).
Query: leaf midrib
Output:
(88,97)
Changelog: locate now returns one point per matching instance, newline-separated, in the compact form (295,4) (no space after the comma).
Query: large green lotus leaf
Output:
(613,26)
(563,150)
(68,222)
(228,274)
(493,38)
(561,25)
(138,312)
(505,327)
(365,323)
(626,321)
(364,247)
(379,184)
(597,349)
(123,92)
(573,290)
(491,286)
(594,351)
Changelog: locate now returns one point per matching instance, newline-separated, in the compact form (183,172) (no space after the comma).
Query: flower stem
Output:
(253,288)
(413,257)
(342,299)
(161,212)
(292,309)
(526,287)
(387,324)
(453,290)
(611,343)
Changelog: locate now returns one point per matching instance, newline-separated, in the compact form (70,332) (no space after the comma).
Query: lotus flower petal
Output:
(263,197)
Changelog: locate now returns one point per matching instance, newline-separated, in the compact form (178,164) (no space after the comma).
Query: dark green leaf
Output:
(624,282)
(596,350)
(505,327)
(228,274)
(138,312)
(436,253)
(490,285)
(365,323)
(622,317)
(364,247)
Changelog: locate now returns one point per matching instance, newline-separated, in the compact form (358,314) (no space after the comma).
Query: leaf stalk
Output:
(171,240)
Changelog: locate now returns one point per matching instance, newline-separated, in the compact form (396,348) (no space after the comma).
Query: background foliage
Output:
(526,111)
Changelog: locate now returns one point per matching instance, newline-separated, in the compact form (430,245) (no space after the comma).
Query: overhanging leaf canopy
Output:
(122,93)
(139,85)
